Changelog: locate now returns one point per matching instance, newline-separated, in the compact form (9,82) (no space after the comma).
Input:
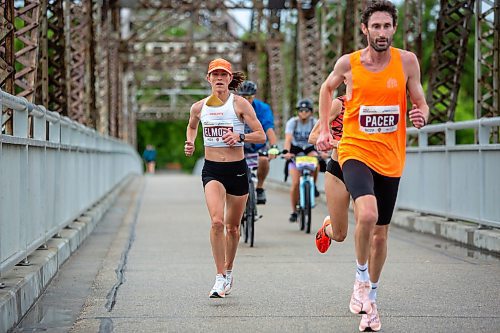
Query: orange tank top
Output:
(375,117)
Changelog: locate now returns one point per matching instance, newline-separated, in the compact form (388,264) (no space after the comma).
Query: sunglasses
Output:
(304,110)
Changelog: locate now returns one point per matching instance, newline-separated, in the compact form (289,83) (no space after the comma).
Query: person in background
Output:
(297,132)
(149,156)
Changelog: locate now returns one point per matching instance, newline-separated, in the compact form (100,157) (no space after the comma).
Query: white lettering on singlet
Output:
(214,130)
(378,119)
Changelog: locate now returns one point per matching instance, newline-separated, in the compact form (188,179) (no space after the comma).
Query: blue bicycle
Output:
(306,166)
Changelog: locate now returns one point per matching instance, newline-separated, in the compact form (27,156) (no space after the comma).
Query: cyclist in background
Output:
(248,90)
(297,132)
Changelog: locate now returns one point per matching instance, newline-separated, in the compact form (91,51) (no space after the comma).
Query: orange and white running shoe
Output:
(360,303)
(322,240)
(370,322)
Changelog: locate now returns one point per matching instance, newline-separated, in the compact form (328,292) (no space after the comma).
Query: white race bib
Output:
(378,119)
(214,130)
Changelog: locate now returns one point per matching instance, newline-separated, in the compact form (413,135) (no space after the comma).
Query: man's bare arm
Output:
(419,115)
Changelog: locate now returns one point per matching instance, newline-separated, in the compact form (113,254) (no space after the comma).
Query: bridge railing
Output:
(52,175)
(457,181)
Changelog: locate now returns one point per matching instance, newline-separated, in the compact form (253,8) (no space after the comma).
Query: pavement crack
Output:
(122,265)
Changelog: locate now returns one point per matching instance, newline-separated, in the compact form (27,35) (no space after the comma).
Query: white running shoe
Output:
(229,282)
(218,290)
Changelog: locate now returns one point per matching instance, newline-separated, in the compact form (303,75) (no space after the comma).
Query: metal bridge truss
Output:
(50,58)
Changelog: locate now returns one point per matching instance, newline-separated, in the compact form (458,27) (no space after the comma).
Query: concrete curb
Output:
(24,284)
(467,233)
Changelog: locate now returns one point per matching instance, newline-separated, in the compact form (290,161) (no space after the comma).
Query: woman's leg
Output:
(215,195)
(234,212)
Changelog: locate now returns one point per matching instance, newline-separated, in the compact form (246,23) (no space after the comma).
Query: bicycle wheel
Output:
(251,202)
(307,208)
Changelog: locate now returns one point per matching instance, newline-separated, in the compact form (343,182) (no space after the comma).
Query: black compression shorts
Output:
(361,180)
(232,175)
(333,167)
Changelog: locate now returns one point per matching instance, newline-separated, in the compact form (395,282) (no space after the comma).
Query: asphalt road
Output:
(148,268)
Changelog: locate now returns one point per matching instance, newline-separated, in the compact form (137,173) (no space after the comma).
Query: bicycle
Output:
(306,166)
(250,215)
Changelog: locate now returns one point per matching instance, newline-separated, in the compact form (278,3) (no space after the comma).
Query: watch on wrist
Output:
(242,137)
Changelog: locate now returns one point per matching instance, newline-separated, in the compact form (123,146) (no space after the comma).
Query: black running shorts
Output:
(361,180)
(333,167)
(232,175)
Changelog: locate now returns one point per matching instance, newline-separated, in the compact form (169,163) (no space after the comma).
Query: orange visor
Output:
(219,63)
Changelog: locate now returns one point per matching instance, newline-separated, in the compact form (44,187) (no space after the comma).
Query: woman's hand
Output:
(188,148)
(230,138)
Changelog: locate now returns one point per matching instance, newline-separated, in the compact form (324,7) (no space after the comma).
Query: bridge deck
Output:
(282,284)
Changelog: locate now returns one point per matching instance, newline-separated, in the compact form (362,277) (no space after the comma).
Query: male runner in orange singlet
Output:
(372,148)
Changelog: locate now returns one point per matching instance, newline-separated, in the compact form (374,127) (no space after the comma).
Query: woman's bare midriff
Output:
(224,154)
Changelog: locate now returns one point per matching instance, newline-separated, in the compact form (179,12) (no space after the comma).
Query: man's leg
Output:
(262,172)
(360,183)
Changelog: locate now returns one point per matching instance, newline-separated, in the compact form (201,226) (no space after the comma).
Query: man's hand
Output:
(273,152)
(325,141)
(188,148)
(417,117)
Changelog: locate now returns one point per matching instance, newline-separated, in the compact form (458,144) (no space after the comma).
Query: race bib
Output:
(378,119)
(214,130)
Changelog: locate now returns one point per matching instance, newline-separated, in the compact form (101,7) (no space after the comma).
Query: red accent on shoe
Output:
(322,240)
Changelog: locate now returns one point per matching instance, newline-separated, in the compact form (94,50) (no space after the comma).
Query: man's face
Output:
(380,31)
(304,113)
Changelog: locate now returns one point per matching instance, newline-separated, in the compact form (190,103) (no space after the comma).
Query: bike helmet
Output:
(305,103)
(247,88)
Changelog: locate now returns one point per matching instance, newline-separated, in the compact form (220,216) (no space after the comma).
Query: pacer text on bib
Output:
(378,119)
(214,130)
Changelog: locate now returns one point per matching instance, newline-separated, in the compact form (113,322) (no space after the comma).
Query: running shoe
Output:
(360,303)
(229,282)
(322,240)
(316,192)
(219,288)
(261,196)
(293,217)
(370,322)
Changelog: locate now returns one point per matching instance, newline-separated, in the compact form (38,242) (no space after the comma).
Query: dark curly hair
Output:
(379,6)
(238,78)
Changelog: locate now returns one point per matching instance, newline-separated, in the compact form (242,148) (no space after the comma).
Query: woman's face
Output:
(219,80)
(304,114)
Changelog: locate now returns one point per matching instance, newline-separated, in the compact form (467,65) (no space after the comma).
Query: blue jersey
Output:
(266,118)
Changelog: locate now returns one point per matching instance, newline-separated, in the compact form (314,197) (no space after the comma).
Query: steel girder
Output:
(186,5)
(78,35)
(311,57)
(450,47)
(487,56)
(7,59)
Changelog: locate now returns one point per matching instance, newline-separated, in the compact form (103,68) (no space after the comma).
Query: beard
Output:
(377,47)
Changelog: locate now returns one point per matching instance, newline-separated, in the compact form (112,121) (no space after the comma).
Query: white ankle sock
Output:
(373,291)
(362,272)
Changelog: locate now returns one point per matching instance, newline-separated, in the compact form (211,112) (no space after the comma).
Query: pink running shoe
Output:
(322,240)
(360,303)
(370,322)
